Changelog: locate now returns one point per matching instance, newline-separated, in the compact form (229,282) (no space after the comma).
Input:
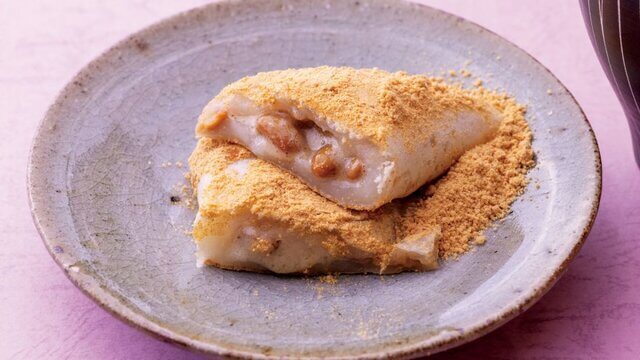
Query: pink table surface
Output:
(592,312)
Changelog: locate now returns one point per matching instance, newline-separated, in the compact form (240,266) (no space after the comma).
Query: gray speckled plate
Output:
(100,194)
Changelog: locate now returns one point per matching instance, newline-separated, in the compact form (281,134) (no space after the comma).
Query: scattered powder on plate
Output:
(329,279)
(183,194)
(324,285)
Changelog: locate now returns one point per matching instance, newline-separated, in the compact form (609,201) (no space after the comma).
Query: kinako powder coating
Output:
(371,103)
(477,190)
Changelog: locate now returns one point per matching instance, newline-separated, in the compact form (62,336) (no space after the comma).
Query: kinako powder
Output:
(373,104)
(477,190)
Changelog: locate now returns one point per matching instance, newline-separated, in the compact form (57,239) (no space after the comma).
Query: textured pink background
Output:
(593,311)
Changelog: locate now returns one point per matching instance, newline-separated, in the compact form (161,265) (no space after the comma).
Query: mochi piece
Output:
(359,137)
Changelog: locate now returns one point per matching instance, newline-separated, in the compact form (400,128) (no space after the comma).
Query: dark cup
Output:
(614,28)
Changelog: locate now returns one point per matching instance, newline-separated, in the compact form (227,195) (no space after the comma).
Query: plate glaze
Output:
(100,187)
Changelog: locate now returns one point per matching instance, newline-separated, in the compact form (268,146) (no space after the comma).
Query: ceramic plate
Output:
(101,186)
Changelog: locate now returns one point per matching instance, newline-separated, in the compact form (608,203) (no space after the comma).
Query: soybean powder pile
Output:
(479,188)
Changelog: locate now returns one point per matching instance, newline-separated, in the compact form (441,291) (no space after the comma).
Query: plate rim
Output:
(91,288)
